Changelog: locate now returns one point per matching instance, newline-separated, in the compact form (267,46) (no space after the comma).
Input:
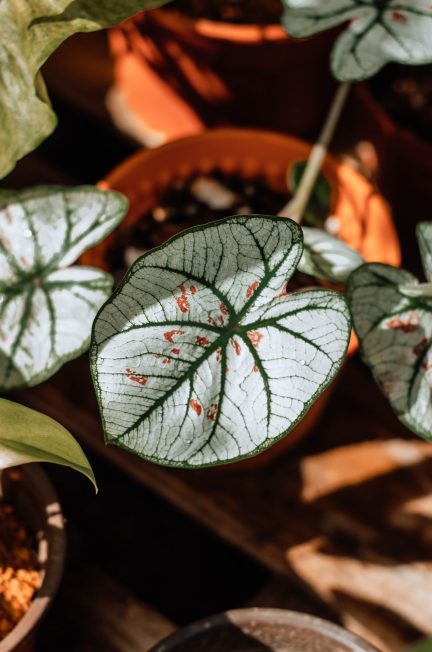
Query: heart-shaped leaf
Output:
(395,333)
(47,308)
(327,258)
(29,436)
(202,358)
(318,208)
(379,32)
(30,30)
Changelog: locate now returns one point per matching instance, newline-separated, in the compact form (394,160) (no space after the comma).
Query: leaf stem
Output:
(296,207)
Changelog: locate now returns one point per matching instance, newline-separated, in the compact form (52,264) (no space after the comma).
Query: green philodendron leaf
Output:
(46,307)
(328,258)
(424,238)
(379,32)
(395,333)
(319,205)
(30,30)
(202,358)
(29,436)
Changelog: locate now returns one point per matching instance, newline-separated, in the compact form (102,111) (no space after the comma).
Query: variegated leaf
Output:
(424,237)
(378,32)
(326,257)
(30,30)
(201,357)
(395,332)
(29,436)
(47,308)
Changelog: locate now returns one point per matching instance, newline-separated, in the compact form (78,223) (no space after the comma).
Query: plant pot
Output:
(36,503)
(405,167)
(263,630)
(175,76)
(364,218)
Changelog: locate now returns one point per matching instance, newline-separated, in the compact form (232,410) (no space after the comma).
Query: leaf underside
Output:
(29,436)
(378,33)
(326,257)
(202,358)
(30,30)
(46,307)
(395,332)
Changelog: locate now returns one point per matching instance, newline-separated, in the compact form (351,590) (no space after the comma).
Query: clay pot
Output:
(263,630)
(175,76)
(36,502)
(365,221)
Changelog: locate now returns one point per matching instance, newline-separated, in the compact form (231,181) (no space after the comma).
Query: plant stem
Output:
(297,205)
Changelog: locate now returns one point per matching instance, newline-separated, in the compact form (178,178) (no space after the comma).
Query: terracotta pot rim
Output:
(294,618)
(34,479)
(219,30)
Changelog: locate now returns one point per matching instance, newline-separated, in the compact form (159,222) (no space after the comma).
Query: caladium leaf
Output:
(424,238)
(378,32)
(29,436)
(395,333)
(318,208)
(30,30)
(201,357)
(328,258)
(47,308)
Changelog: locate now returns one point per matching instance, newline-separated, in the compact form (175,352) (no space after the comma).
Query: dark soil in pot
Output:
(405,92)
(259,12)
(20,571)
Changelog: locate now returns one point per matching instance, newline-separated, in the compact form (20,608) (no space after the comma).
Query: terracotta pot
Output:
(405,168)
(365,221)
(175,76)
(36,502)
(263,630)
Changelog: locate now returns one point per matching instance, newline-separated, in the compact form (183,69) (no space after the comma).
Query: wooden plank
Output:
(349,518)
(94,613)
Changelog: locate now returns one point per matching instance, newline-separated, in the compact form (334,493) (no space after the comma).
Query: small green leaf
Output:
(47,308)
(29,436)
(202,358)
(327,258)
(318,208)
(378,32)
(424,238)
(395,333)
(30,30)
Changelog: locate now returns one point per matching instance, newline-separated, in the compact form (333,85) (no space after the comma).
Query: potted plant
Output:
(263,629)
(194,64)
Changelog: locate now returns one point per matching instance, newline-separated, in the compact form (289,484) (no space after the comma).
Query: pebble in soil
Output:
(198,200)
(20,575)
(260,12)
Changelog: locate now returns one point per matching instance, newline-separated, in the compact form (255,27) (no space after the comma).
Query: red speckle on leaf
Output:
(236,346)
(182,301)
(212,412)
(398,17)
(158,356)
(251,289)
(283,292)
(226,370)
(176,351)
(211,321)
(255,338)
(135,377)
(420,347)
(223,309)
(193,289)
(222,321)
(170,334)
(202,341)
(405,325)
(166,361)
(218,355)
(196,407)
(255,368)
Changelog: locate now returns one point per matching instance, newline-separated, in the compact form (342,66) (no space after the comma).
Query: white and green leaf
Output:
(30,30)
(395,333)
(29,436)
(201,357)
(378,32)
(326,257)
(424,238)
(47,308)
